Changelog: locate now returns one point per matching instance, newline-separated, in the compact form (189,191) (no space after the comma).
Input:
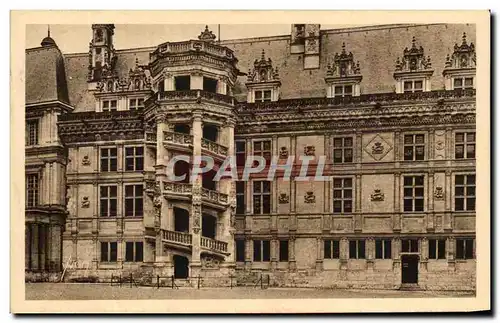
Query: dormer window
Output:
(136,104)
(263,82)
(343,90)
(182,83)
(460,68)
(413,71)
(109,105)
(343,77)
(413,86)
(263,96)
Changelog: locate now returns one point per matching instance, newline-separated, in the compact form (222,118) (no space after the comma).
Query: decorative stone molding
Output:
(309,197)
(377,195)
(263,77)
(309,150)
(343,71)
(461,64)
(86,161)
(283,153)
(439,193)
(413,66)
(85,202)
(207,35)
(283,198)
(210,262)
(378,148)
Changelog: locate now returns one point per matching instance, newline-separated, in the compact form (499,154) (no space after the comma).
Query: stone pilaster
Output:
(196,209)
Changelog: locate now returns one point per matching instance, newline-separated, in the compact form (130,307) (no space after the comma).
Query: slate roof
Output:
(45,75)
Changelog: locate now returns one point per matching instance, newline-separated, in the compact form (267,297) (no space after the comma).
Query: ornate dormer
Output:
(413,70)
(460,69)
(102,57)
(207,35)
(114,93)
(343,75)
(263,81)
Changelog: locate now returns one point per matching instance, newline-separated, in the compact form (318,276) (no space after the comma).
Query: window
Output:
(31,132)
(31,190)
(413,86)
(465,248)
(240,250)
(357,249)
(108,251)
(342,195)
(263,96)
(134,251)
(283,250)
(342,150)
(108,200)
(261,250)
(108,159)
(463,83)
(240,197)
(437,249)
(465,192)
(343,90)
(109,105)
(182,83)
(261,197)
(262,148)
(409,245)
(331,249)
(240,153)
(465,145)
(383,249)
(136,104)
(414,193)
(134,158)
(133,200)
(414,147)
(209,84)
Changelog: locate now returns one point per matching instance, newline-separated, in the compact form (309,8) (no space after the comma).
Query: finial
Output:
(136,62)
(343,47)
(413,42)
(48,31)
(263,55)
(464,39)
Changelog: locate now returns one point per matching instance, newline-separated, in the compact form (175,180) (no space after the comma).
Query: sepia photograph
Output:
(183,160)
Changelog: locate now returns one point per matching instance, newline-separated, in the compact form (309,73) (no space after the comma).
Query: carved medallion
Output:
(284,198)
(439,193)
(86,161)
(85,202)
(309,150)
(378,148)
(309,198)
(377,195)
(439,145)
(283,153)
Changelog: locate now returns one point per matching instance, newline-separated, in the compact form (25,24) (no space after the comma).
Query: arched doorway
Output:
(181,267)
(181,220)
(208,226)
(181,168)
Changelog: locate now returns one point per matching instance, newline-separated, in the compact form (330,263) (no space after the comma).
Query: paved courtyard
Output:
(67,291)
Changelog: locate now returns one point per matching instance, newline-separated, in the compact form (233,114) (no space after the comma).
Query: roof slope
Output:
(45,75)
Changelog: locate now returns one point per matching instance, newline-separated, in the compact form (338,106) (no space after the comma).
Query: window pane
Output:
(459,137)
(347,193)
(471,180)
(387,249)
(337,194)
(408,205)
(441,249)
(257,251)
(327,249)
(348,206)
(338,90)
(457,82)
(361,249)
(459,179)
(408,85)
(471,204)
(471,191)
(283,250)
(352,249)
(138,207)
(469,254)
(414,245)
(459,204)
(112,252)
(418,85)
(104,207)
(408,192)
(459,249)
(432,249)
(337,182)
(459,191)
(348,155)
(129,251)
(129,207)
(112,207)
(408,139)
(139,246)
(419,139)
(471,137)
(419,180)
(266,250)
(348,142)
(104,251)
(337,142)
(419,204)
(405,245)
(337,206)
(408,181)
(348,89)
(468,81)
(336,249)
(408,153)
(378,249)
(347,182)
(419,191)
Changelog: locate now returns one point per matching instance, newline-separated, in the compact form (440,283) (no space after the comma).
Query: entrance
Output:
(409,269)
(181,267)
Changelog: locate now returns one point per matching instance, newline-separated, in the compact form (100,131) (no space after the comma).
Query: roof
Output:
(375,47)
(45,75)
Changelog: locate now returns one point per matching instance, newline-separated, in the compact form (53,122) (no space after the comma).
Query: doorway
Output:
(409,269)
(208,226)
(181,267)
(181,220)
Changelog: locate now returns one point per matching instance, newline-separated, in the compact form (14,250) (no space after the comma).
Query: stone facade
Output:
(396,208)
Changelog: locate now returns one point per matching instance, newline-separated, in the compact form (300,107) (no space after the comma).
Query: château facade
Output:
(390,110)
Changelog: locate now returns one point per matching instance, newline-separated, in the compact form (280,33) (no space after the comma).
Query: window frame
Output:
(360,249)
(107,105)
(107,258)
(331,249)
(465,144)
(108,198)
(465,196)
(262,95)
(411,243)
(239,152)
(135,157)
(385,249)
(135,213)
(109,158)
(342,149)
(414,146)
(262,194)
(464,241)
(343,93)
(36,137)
(343,188)
(35,192)
(136,105)
(439,245)
(462,79)
(263,244)
(413,89)
(135,257)
(414,197)
(266,153)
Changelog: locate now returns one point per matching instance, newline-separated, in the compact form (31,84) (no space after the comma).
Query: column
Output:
(319,253)
(248,252)
(34,247)
(447,202)
(196,209)
(274,252)
(227,186)
(196,81)
(424,253)
(396,221)
(430,201)
(161,151)
(169,82)
(27,248)
(292,264)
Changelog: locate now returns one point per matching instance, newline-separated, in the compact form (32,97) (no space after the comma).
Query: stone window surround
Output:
(425,187)
(355,81)
(353,192)
(450,75)
(134,157)
(424,76)
(108,158)
(261,196)
(196,73)
(466,131)
(36,122)
(272,86)
(108,198)
(134,198)
(452,193)
(402,144)
(37,175)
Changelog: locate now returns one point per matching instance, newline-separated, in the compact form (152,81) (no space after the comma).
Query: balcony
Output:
(195,95)
(177,138)
(177,238)
(214,245)
(214,147)
(178,190)
(215,198)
